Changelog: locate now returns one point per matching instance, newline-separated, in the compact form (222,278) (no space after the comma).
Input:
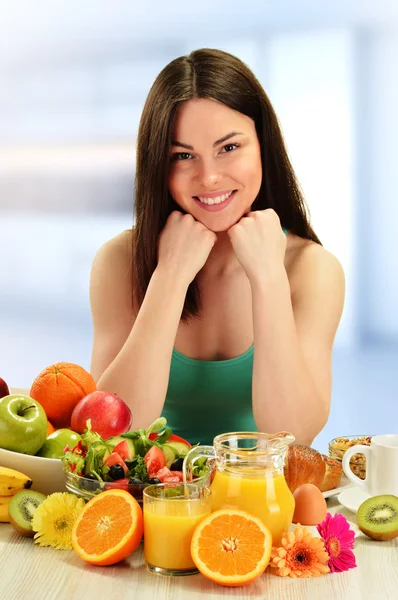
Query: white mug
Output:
(381,465)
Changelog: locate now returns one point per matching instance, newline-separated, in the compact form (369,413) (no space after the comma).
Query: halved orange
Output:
(109,528)
(231,547)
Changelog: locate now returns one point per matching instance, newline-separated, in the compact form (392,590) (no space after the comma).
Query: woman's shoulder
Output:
(117,249)
(113,260)
(111,285)
(111,281)
(309,264)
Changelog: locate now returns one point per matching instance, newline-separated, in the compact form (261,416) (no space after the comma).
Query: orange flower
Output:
(301,555)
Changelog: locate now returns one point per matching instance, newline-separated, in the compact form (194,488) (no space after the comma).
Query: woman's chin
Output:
(218,227)
(220,224)
(220,221)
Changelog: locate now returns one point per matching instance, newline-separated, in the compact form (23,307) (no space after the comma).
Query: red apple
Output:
(109,414)
(4,391)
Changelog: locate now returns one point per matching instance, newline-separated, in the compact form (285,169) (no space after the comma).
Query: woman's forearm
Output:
(140,372)
(284,395)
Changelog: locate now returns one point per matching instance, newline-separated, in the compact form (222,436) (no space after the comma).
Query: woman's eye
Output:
(181,156)
(229,147)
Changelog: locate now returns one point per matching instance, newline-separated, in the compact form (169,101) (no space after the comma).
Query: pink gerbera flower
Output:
(339,541)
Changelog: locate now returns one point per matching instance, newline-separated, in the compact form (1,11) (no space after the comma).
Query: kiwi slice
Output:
(377,517)
(21,510)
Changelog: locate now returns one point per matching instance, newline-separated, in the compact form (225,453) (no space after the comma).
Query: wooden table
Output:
(29,572)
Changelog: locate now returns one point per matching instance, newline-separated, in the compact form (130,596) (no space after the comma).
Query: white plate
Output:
(352,498)
(345,483)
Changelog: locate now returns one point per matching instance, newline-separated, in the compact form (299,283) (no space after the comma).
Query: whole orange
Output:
(58,388)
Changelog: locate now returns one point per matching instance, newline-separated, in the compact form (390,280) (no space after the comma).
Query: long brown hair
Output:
(220,76)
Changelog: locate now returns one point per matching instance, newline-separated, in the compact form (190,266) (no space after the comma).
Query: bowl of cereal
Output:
(339,445)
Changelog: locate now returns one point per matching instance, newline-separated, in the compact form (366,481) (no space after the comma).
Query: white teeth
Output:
(216,200)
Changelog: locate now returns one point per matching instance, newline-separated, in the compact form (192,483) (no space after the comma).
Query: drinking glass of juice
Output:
(171,513)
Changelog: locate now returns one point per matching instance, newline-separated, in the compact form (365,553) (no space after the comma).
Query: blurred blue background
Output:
(73,80)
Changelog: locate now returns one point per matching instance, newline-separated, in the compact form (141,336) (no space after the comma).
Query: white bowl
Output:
(46,473)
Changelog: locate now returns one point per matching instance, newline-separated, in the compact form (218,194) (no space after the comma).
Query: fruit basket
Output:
(339,445)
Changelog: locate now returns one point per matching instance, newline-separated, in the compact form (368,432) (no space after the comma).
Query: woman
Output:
(220,308)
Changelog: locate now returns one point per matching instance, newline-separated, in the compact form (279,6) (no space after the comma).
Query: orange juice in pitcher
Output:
(248,474)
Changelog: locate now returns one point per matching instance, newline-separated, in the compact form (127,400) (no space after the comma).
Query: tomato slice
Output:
(162,473)
(178,474)
(123,450)
(116,459)
(154,460)
(172,438)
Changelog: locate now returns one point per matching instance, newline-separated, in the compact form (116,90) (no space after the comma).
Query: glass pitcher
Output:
(246,472)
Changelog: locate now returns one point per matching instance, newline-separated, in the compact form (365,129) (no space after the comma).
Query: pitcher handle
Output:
(359,449)
(192,456)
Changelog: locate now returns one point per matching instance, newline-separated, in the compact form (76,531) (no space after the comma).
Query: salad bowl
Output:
(88,488)
(131,461)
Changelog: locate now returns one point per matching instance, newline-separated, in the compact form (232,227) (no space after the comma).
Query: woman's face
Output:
(215,173)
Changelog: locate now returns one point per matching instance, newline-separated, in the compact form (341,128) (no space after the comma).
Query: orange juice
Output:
(264,495)
(168,529)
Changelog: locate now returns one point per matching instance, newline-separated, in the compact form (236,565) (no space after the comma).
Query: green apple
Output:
(23,424)
(54,445)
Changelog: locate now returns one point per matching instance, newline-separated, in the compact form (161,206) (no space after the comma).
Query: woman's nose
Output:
(208,173)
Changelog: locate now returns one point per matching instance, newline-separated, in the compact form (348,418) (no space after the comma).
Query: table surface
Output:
(31,572)
(28,571)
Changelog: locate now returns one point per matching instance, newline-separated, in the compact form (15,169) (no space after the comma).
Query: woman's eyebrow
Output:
(216,143)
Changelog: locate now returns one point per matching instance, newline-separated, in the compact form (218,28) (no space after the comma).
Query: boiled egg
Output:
(310,506)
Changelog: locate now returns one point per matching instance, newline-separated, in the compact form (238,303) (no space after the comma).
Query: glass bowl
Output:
(339,445)
(88,488)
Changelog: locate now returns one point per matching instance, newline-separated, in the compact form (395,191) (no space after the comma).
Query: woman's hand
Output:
(184,245)
(259,242)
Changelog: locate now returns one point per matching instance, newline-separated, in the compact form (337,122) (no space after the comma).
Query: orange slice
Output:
(231,547)
(109,528)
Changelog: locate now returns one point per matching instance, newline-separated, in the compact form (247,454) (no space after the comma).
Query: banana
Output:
(12,481)
(4,502)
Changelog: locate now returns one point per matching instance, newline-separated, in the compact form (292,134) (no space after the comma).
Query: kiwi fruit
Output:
(377,517)
(21,510)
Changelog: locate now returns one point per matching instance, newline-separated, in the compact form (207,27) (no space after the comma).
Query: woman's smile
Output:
(215,201)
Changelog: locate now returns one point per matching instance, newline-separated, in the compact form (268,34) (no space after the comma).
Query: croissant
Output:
(333,474)
(304,464)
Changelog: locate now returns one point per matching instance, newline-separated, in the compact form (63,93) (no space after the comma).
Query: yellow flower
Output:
(54,518)
(301,555)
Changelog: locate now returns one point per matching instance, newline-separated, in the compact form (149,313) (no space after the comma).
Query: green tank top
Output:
(205,398)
